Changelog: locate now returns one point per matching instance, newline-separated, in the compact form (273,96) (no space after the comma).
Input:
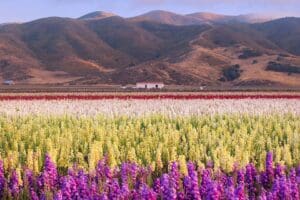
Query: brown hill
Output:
(283,32)
(165,17)
(114,50)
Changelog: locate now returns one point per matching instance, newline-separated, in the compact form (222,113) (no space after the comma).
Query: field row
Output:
(150,96)
(171,108)
(149,141)
(130,181)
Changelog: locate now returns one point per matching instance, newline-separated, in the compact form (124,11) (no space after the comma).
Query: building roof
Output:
(149,83)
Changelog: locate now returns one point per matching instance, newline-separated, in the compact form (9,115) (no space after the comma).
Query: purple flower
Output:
(114,189)
(68,187)
(206,180)
(279,171)
(165,184)
(82,185)
(213,192)
(250,181)
(268,175)
(294,185)
(14,184)
(187,187)
(49,177)
(2,179)
(157,186)
(239,192)
(229,190)
(147,193)
(194,181)
(284,189)
(175,175)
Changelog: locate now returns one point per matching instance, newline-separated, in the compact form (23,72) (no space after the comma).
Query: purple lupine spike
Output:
(284,189)
(66,190)
(157,186)
(29,178)
(205,177)
(2,179)
(276,187)
(82,184)
(213,192)
(100,168)
(114,190)
(269,168)
(147,193)
(94,190)
(240,192)
(294,185)
(172,190)
(240,177)
(68,187)
(124,172)
(279,171)
(13,184)
(229,191)
(124,179)
(187,187)
(134,172)
(221,181)
(194,181)
(108,173)
(250,181)
(165,184)
(49,176)
(175,175)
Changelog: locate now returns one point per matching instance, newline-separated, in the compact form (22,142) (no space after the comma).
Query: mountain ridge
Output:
(116,50)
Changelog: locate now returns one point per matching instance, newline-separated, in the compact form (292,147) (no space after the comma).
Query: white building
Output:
(150,85)
(8,82)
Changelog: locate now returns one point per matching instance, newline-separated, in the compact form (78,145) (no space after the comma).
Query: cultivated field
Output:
(150,146)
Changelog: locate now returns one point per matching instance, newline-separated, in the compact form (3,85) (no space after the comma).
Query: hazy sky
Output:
(26,10)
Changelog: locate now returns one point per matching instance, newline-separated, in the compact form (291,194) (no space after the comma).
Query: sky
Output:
(27,10)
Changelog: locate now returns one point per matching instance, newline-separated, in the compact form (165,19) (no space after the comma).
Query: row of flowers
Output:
(166,107)
(149,96)
(130,181)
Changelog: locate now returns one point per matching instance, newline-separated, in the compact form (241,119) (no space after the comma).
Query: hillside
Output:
(284,32)
(165,17)
(102,48)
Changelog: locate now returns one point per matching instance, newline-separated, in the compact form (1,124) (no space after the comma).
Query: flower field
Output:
(162,147)
(131,181)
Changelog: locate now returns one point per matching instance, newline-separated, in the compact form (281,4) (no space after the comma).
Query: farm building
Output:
(150,85)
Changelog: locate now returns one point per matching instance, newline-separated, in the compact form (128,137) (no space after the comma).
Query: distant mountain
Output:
(97,15)
(166,17)
(198,49)
(206,17)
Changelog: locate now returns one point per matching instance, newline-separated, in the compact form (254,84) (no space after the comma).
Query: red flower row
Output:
(149,96)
